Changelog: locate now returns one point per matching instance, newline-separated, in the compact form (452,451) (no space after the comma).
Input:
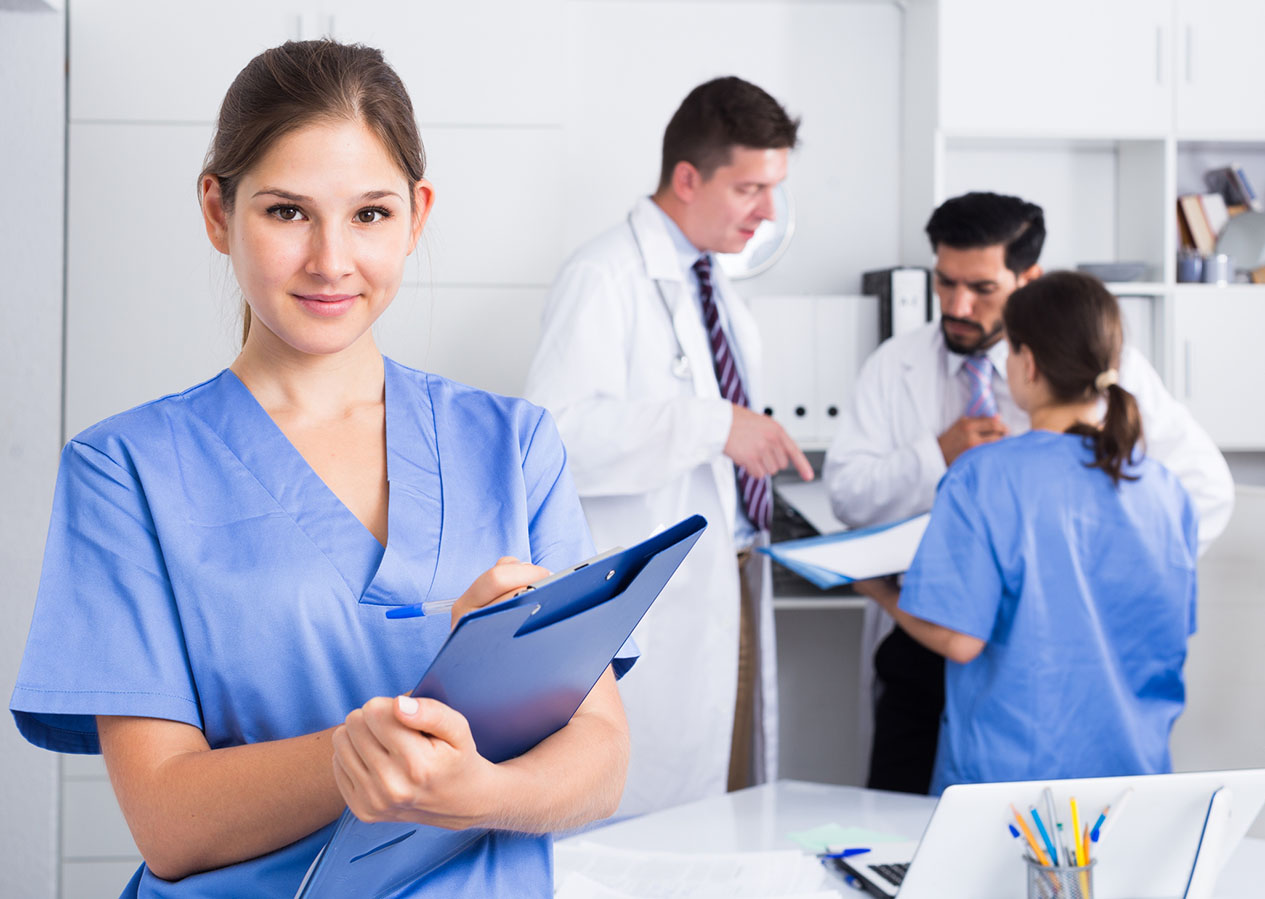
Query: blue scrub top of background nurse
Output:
(220,560)
(1057,573)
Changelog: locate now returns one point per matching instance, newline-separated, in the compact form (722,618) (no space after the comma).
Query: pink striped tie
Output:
(979,375)
(757,500)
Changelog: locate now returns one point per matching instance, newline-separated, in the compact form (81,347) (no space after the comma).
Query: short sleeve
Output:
(105,637)
(557,528)
(955,580)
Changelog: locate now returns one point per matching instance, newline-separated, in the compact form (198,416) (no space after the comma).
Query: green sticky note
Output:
(820,839)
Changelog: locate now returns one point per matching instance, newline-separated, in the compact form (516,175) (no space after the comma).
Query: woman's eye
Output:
(371,215)
(286,213)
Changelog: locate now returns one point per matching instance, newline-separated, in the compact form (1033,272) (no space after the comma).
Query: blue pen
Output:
(421,609)
(1049,844)
(846,853)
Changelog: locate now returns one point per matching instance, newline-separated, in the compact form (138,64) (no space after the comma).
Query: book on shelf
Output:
(1190,210)
(1232,182)
(1216,213)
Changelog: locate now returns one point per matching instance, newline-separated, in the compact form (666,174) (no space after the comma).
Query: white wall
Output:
(32,112)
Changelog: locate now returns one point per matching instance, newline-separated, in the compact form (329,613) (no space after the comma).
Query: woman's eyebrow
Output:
(299,198)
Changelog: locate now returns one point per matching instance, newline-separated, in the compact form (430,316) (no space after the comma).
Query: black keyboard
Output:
(893,874)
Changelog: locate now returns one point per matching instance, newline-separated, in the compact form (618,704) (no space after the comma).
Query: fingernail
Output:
(408,705)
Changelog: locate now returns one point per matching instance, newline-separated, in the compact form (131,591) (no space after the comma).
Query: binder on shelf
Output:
(904,296)
(517,671)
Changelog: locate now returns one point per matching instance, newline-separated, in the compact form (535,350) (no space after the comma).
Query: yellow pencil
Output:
(1027,835)
(1076,834)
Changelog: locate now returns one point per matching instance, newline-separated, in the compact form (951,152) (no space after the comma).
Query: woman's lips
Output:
(328,305)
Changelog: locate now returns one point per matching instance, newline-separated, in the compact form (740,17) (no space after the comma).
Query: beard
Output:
(966,348)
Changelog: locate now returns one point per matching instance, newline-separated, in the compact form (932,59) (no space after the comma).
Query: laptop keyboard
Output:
(893,874)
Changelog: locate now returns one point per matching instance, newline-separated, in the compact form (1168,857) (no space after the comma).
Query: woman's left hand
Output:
(883,590)
(407,759)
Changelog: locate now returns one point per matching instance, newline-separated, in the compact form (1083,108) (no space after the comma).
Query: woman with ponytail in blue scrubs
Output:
(211,614)
(1057,573)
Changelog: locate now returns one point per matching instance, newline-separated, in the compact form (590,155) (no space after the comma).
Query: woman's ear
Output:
(1028,365)
(423,202)
(214,215)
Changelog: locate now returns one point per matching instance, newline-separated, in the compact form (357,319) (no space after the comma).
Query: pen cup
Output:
(1060,883)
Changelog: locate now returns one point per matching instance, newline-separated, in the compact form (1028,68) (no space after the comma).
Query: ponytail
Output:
(1071,323)
(245,321)
(1121,431)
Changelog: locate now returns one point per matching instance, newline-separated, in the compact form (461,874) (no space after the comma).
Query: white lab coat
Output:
(645,433)
(885,461)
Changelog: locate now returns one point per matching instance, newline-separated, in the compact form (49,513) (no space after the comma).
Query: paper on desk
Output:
(853,555)
(634,874)
(832,838)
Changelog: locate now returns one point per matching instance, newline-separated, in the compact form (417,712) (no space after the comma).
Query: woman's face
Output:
(319,235)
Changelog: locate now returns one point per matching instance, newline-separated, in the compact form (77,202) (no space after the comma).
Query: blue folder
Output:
(825,578)
(518,671)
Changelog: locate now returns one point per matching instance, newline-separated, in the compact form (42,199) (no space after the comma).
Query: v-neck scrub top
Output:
(1084,592)
(197,569)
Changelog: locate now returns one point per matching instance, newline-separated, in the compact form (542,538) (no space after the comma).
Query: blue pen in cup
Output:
(1045,835)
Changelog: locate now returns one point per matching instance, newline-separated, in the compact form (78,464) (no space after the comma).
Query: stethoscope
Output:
(681,363)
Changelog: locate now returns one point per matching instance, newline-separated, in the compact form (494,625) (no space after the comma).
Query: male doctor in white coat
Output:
(650,363)
(927,396)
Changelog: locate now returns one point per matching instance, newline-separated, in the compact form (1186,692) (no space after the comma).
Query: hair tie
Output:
(1106,379)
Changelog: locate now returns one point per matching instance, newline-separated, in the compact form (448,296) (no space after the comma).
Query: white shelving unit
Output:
(1104,126)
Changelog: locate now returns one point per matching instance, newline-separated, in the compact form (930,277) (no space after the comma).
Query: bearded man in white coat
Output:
(927,396)
(650,364)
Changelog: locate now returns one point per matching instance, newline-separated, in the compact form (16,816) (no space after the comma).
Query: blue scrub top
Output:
(197,569)
(1085,594)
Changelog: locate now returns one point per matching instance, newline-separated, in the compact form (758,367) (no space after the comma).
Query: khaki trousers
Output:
(741,773)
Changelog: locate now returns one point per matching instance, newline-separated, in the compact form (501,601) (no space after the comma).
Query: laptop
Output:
(967,851)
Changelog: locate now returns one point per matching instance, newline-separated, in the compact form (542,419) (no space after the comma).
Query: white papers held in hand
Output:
(836,559)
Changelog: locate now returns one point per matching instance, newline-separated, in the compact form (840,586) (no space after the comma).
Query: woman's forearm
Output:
(951,644)
(576,775)
(192,808)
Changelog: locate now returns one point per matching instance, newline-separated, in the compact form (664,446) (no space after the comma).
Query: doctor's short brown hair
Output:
(719,115)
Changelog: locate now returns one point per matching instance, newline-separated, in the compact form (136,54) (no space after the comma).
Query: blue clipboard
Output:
(517,671)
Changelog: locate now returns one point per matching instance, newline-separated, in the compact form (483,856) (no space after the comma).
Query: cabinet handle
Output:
(1190,54)
(1159,55)
(1189,361)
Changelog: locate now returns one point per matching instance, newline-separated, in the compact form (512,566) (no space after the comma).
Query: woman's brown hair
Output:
(289,87)
(1071,323)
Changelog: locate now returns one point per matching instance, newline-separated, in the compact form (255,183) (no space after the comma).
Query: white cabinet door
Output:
(1219,68)
(1072,68)
(1218,365)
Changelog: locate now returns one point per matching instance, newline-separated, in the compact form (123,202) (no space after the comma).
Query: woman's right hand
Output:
(504,580)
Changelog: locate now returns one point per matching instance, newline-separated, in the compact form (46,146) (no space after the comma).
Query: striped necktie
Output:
(979,376)
(757,499)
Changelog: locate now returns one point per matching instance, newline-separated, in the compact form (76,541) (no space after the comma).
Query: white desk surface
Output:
(760,818)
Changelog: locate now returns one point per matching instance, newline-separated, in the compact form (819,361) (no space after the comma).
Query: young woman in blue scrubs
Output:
(220,561)
(1057,573)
